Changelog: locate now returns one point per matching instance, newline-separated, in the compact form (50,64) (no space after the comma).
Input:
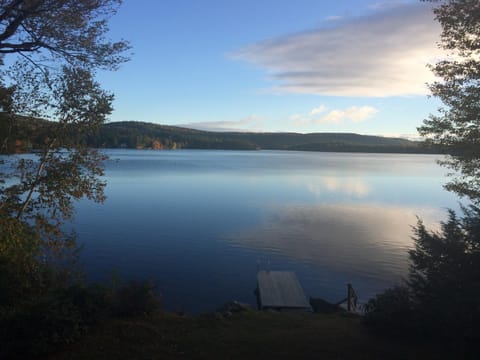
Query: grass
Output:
(249,335)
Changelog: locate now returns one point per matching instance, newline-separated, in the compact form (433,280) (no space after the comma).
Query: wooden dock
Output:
(280,290)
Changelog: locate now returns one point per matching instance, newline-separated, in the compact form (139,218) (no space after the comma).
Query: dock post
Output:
(351,298)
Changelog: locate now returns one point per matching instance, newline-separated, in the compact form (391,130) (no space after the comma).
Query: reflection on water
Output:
(356,187)
(368,242)
(200,223)
(322,184)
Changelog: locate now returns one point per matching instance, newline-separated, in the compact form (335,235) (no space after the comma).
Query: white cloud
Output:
(308,118)
(354,114)
(250,123)
(384,54)
(318,110)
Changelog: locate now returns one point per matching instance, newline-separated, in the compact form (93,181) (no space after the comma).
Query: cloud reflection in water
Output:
(356,187)
(368,240)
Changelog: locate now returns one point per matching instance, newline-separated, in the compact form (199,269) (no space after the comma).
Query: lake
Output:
(201,223)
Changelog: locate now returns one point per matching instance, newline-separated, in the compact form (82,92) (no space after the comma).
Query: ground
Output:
(247,335)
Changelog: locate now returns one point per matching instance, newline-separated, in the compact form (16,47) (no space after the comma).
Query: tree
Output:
(445,274)
(456,127)
(65,30)
(42,188)
(441,295)
(57,45)
(53,49)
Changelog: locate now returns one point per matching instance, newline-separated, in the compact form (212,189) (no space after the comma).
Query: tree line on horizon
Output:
(29,134)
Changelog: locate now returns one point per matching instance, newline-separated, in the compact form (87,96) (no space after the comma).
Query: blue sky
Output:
(270,65)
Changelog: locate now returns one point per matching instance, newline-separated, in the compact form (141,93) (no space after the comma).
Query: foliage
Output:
(62,313)
(140,135)
(42,324)
(70,30)
(457,125)
(37,307)
(20,270)
(442,292)
(445,274)
(54,48)
(391,311)
(135,298)
(42,187)
(29,315)
(143,135)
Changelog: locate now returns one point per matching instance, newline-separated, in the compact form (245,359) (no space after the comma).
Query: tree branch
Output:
(7,10)
(6,48)
(38,175)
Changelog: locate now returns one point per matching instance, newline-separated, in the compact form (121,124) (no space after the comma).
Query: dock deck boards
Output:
(280,290)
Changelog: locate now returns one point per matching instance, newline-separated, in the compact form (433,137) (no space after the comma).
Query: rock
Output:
(234,307)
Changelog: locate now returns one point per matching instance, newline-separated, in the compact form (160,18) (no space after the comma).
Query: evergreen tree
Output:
(444,278)
(456,127)
(441,296)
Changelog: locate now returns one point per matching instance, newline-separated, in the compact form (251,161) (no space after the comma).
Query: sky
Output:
(276,66)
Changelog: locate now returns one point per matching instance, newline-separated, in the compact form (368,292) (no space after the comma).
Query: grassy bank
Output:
(249,335)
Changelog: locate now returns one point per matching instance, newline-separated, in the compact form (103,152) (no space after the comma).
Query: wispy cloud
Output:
(383,54)
(250,123)
(354,114)
(308,118)
(333,18)
(387,4)
(318,110)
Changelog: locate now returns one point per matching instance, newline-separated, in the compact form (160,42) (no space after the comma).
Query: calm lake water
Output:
(201,223)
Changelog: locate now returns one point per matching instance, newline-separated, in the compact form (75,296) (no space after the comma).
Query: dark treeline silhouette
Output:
(440,298)
(141,135)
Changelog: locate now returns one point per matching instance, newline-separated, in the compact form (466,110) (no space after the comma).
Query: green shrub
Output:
(135,298)
(440,298)
(390,311)
(37,326)
(44,300)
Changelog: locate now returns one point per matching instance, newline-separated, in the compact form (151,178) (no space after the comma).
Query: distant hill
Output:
(130,134)
(21,133)
(141,135)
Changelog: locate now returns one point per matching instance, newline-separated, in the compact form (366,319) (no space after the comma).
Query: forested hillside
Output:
(147,135)
(26,134)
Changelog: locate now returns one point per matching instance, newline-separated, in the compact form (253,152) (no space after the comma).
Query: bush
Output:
(441,297)
(44,300)
(390,311)
(37,326)
(135,298)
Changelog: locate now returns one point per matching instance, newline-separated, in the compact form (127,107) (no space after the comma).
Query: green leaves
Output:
(440,297)
(445,273)
(457,126)
(58,45)
(61,30)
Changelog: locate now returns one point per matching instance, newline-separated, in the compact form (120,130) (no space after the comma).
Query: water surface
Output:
(201,223)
